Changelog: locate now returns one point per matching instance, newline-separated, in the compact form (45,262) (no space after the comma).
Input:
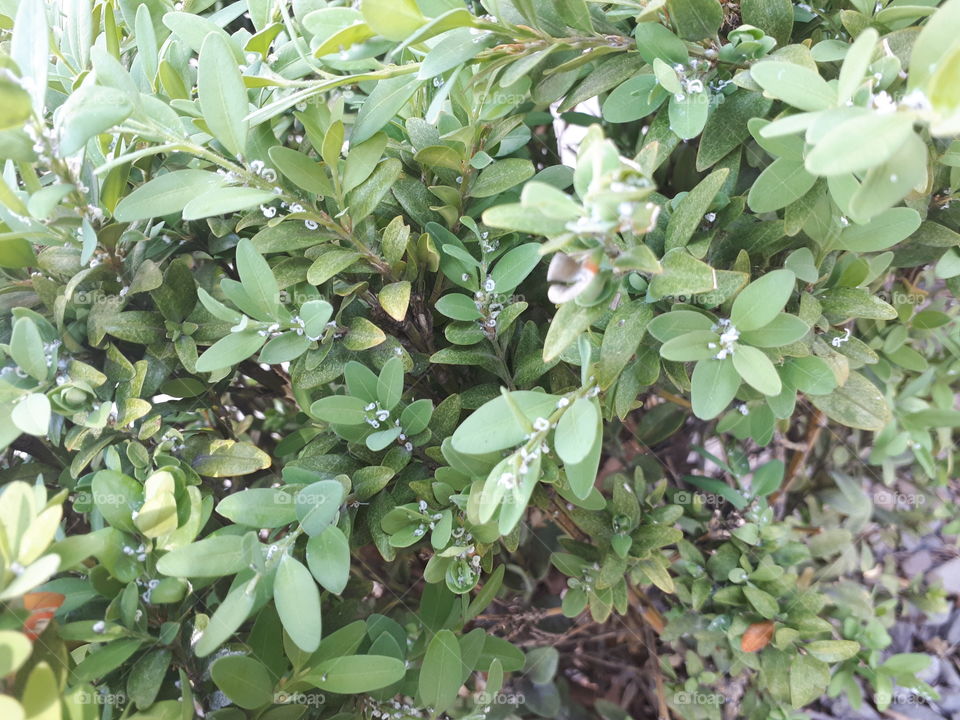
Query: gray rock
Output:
(918,563)
(948,574)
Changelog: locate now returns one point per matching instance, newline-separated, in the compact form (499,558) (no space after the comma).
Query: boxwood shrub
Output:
(374,359)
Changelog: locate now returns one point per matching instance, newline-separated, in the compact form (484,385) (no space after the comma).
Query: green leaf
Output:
(387,99)
(621,339)
(888,183)
(783,330)
(857,404)
(458,307)
(493,425)
(214,556)
(840,150)
(657,41)
(244,680)
(328,557)
(29,48)
(147,675)
(682,274)
(501,175)
(689,213)
(257,278)
(782,182)
(809,678)
(230,457)
(514,267)
(26,349)
(355,674)
(340,409)
(883,231)
(757,370)
(298,603)
(457,48)
(330,263)
(762,602)
(794,84)
(695,19)
(117,496)
(844,303)
(726,127)
(570,320)
(90,111)
(166,194)
(361,161)
(301,171)
(394,19)
(714,384)
(688,113)
(440,673)
(230,350)
(31,414)
(227,618)
(762,300)
(767,478)
(223,97)
(634,99)
(833,651)
(259,508)
(774,17)
(576,431)
(390,383)
(365,198)
(693,346)
(318,505)
(225,200)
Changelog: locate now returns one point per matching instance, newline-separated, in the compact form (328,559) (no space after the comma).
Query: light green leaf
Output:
(757,370)
(857,404)
(166,194)
(222,94)
(762,300)
(840,150)
(833,651)
(225,200)
(230,350)
(243,679)
(259,508)
(385,102)
(576,431)
(501,175)
(355,674)
(328,557)
(440,673)
(794,84)
(31,414)
(782,182)
(689,213)
(227,618)
(714,384)
(257,278)
(298,603)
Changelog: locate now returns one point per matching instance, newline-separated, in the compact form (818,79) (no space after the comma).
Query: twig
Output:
(815,423)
